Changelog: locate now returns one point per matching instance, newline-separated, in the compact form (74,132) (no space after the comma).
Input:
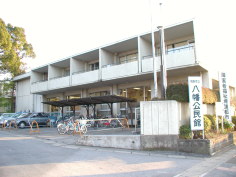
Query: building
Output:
(121,68)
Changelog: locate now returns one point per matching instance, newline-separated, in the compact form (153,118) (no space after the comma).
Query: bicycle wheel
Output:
(84,129)
(61,128)
(70,129)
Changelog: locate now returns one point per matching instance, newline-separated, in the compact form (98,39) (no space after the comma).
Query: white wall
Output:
(35,76)
(119,71)
(54,71)
(160,117)
(77,65)
(145,48)
(106,57)
(24,99)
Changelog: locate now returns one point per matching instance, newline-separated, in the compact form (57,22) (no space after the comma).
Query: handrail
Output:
(39,81)
(57,77)
(170,51)
(120,63)
(84,71)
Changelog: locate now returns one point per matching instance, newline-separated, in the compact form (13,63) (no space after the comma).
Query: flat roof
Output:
(90,101)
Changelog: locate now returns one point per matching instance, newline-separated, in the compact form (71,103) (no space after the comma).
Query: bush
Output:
(178,92)
(228,126)
(213,121)
(207,124)
(208,96)
(185,132)
(234,121)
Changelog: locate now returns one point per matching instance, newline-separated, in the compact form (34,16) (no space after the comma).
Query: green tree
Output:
(13,49)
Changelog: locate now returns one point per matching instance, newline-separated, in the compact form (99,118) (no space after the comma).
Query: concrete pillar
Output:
(116,106)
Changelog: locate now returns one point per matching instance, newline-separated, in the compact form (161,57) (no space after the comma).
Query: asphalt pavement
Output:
(49,154)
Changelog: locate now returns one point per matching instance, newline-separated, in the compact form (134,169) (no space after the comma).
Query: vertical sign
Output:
(195,103)
(225,95)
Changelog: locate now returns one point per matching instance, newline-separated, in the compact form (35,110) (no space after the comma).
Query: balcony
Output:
(39,86)
(59,82)
(174,58)
(114,71)
(80,78)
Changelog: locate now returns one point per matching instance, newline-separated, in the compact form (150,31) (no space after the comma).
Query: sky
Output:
(60,28)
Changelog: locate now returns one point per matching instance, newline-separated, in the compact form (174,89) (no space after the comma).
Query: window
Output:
(66,72)
(180,46)
(103,93)
(94,66)
(128,58)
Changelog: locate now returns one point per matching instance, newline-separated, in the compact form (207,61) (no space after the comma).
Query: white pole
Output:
(153,54)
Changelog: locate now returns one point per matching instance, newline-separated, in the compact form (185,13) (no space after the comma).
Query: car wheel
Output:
(22,125)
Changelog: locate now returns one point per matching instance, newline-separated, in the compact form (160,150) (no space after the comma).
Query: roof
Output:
(22,76)
(90,101)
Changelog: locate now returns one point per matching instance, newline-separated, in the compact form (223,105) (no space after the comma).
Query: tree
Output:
(13,49)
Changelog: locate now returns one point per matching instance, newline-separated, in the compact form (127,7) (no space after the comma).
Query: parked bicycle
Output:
(66,126)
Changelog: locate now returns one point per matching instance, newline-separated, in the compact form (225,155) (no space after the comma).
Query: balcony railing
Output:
(84,71)
(174,50)
(36,82)
(122,62)
(57,77)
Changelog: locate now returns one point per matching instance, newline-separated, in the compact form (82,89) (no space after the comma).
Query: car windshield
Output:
(5,115)
(16,115)
(24,115)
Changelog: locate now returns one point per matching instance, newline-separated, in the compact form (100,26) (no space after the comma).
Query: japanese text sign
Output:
(224,95)
(195,103)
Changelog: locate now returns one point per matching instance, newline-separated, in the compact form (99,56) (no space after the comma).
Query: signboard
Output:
(225,95)
(195,103)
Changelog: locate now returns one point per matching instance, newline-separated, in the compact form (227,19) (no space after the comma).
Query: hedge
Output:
(179,92)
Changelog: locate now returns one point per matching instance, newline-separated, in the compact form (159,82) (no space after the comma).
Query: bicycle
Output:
(80,126)
(66,126)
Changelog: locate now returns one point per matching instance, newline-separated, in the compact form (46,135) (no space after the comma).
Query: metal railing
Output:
(122,62)
(84,71)
(57,77)
(36,82)
(171,51)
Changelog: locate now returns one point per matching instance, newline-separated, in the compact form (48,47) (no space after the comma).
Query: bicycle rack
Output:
(31,127)
(15,125)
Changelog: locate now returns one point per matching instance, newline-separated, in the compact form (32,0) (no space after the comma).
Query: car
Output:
(13,118)
(26,120)
(5,117)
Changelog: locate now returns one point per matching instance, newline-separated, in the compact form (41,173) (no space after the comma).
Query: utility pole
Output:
(153,56)
(163,60)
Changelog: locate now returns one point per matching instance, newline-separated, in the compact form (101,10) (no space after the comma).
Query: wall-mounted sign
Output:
(225,95)
(195,103)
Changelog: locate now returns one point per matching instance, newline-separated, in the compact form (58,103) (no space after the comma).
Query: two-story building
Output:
(122,68)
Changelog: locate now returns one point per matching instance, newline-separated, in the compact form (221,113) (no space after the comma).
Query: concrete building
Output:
(122,68)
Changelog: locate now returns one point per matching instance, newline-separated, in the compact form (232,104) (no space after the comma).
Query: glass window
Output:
(53,108)
(128,58)
(94,66)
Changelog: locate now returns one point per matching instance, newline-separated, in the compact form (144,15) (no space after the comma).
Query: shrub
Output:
(207,124)
(228,126)
(234,121)
(178,92)
(185,132)
(208,96)
(213,121)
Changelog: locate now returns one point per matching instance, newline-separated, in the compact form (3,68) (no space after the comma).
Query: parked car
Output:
(5,117)
(14,117)
(25,121)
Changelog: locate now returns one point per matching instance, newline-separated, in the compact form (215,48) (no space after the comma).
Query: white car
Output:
(5,117)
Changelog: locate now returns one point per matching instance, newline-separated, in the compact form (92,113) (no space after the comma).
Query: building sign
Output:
(195,103)
(225,95)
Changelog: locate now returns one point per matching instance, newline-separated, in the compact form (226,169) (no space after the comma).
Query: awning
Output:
(90,101)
